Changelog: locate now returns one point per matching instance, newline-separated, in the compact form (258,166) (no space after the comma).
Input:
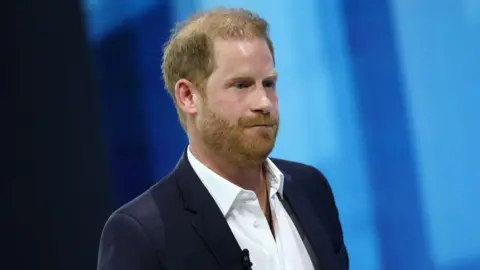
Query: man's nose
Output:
(261,102)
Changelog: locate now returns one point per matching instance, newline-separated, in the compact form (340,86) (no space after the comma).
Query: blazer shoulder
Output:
(312,179)
(146,206)
(294,168)
(137,225)
(140,207)
(288,164)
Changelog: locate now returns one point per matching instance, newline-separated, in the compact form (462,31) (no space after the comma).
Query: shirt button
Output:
(256,224)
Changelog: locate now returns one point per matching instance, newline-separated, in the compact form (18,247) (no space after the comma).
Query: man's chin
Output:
(260,150)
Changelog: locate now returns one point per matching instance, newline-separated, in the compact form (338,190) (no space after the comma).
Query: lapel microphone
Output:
(246,263)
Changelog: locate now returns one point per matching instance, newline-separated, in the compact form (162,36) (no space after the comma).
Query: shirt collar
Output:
(275,177)
(224,192)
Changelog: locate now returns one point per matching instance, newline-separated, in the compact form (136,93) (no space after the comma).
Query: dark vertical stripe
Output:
(55,187)
(385,127)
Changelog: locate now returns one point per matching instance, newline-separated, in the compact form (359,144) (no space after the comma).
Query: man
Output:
(226,205)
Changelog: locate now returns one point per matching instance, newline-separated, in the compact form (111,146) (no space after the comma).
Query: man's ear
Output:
(186,96)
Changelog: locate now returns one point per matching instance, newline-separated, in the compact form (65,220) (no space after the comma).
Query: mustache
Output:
(263,120)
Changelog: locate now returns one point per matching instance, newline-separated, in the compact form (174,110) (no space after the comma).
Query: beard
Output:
(239,143)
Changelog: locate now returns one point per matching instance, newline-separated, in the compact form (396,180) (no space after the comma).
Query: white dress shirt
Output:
(249,225)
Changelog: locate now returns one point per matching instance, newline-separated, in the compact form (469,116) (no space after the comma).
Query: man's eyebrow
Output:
(273,76)
(240,76)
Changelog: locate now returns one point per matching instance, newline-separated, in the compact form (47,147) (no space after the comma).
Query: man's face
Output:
(238,116)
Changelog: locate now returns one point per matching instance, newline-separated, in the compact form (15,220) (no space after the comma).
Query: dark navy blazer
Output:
(177,225)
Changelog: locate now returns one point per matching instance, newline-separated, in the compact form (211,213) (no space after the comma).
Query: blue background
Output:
(382,96)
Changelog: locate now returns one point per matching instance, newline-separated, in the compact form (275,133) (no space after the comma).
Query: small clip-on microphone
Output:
(246,263)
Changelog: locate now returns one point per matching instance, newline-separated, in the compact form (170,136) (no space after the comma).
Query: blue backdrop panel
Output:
(439,45)
(382,96)
(389,154)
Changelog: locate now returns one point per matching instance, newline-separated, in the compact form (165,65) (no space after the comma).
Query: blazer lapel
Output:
(207,219)
(311,224)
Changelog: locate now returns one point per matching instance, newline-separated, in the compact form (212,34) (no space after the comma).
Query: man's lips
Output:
(260,125)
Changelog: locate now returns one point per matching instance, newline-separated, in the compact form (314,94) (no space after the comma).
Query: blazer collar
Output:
(207,219)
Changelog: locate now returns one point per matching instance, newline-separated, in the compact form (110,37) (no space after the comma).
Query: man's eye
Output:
(240,85)
(269,84)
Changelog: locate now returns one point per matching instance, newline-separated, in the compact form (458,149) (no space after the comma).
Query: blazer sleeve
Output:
(322,184)
(124,245)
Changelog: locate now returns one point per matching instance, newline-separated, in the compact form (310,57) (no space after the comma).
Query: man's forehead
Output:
(235,52)
(231,70)
(225,43)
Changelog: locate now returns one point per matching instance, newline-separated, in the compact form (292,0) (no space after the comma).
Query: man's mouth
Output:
(261,125)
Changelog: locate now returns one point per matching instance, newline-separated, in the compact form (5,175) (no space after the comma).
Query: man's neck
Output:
(247,177)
